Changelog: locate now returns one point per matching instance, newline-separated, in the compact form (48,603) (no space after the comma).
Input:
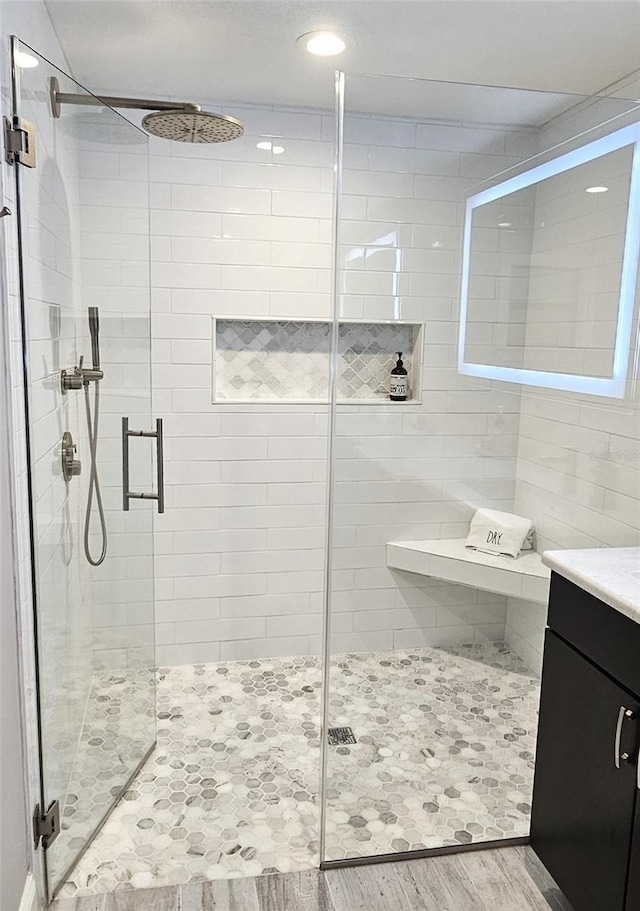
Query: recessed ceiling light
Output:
(596,189)
(322,44)
(25,61)
(504,224)
(270,147)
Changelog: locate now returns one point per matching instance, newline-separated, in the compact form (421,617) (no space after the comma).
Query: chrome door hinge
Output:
(46,826)
(20,142)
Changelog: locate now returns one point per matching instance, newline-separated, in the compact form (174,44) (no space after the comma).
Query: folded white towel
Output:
(496,532)
(529,541)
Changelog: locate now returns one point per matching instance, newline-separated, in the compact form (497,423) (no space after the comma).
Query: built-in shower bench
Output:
(525,577)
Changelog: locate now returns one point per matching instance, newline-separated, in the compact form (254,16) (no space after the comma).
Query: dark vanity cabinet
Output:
(585,823)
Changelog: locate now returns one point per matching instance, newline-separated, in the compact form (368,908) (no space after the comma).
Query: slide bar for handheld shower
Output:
(59,98)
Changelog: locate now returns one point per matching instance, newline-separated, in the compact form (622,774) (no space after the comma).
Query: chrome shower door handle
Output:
(127,493)
(160,463)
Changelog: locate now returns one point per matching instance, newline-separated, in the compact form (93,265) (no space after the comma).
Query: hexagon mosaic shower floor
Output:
(444,756)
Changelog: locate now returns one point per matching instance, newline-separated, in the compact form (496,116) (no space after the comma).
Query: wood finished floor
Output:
(505,879)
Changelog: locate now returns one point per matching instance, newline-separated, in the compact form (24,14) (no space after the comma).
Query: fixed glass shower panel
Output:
(84,260)
(471,238)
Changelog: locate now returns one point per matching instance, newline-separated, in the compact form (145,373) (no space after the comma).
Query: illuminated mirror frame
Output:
(614,386)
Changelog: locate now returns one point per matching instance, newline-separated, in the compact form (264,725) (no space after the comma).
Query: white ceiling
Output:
(245,51)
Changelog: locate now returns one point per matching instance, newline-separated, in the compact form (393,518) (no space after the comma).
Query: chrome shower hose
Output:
(94,481)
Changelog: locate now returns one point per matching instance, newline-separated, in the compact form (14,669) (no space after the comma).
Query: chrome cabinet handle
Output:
(617,756)
(128,494)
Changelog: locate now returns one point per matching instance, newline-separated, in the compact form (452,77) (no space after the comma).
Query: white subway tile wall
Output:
(403,474)
(238,233)
(243,233)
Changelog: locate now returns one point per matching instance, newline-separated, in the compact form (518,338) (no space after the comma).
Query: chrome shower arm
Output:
(59,98)
(114,101)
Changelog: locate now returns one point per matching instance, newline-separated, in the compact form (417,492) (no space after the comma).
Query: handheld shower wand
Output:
(94,330)
(88,376)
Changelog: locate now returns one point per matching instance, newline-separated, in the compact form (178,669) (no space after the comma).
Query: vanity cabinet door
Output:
(583,804)
(633,892)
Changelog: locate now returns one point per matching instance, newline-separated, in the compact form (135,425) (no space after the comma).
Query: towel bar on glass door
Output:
(132,495)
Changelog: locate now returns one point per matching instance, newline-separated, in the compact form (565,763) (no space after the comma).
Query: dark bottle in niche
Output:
(399,386)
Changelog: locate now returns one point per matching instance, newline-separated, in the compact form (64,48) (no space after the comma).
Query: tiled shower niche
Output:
(274,360)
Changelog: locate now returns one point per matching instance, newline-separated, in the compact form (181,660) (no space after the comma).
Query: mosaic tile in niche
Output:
(271,360)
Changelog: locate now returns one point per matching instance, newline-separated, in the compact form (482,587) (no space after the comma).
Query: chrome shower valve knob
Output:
(71,467)
(71,379)
(80,376)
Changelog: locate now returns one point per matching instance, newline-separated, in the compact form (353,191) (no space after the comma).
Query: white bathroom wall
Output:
(239,231)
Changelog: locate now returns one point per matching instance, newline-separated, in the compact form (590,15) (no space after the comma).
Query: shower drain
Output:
(338,736)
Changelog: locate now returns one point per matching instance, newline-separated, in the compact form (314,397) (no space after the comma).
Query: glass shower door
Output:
(505,298)
(84,263)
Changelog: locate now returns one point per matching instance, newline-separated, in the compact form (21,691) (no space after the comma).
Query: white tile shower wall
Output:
(115,253)
(240,547)
(404,473)
(242,232)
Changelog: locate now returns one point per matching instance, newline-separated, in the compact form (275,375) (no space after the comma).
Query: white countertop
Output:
(609,573)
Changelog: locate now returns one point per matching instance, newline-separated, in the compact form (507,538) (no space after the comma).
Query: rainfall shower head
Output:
(192,126)
(180,121)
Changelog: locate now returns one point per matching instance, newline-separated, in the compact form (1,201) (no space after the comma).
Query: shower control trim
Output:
(71,467)
(79,376)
